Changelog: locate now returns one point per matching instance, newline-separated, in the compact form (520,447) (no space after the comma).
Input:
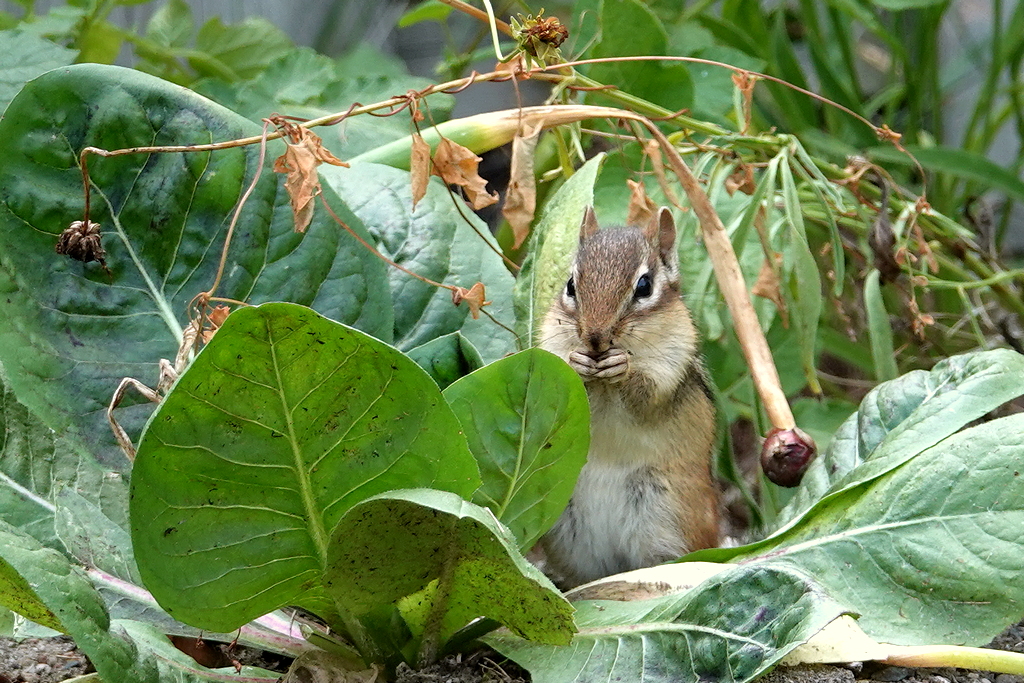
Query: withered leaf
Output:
(641,207)
(741,180)
(304,154)
(419,167)
(474,297)
(457,165)
(521,196)
(767,286)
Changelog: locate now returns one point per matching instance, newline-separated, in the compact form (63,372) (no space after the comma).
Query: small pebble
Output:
(1008,678)
(891,674)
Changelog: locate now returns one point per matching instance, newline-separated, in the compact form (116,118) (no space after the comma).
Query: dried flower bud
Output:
(786,454)
(539,37)
(81,241)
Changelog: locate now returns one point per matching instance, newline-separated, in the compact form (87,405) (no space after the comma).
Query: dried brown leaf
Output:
(457,165)
(641,207)
(521,197)
(419,167)
(474,297)
(767,287)
(741,180)
(304,154)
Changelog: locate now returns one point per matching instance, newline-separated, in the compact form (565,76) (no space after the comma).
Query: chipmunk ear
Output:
(589,225)
(661,231)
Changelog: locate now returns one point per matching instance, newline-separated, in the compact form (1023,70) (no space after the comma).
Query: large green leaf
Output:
(899,419)
(46,587)
(23,58)
(284,422)
(929,553)
(71,332)
(396,544)
(437,242)
(526,418)
(37,467)
(630,28)
(733,627)
(553,241)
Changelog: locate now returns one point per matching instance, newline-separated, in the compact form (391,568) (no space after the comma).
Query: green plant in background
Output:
(308,456)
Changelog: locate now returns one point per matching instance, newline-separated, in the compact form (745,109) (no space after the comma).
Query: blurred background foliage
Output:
(867,287)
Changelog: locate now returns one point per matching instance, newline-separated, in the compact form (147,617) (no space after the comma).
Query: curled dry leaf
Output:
(767,286)
(741,180)
(641,207)
(419,168)
(521,197)
(304,154)
(653,151)
(474,297)
(457,165)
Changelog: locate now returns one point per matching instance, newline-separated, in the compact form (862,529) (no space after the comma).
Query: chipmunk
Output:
(646,493)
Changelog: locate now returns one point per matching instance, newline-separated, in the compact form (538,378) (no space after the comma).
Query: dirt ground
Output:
(51,660)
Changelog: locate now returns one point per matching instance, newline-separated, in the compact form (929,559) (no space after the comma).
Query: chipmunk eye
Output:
(570,289)
(644,287)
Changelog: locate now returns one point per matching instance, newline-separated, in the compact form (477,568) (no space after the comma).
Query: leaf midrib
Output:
(314,521)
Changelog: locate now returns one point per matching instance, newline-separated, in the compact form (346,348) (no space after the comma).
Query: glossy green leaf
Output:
(238,51)
(171,25)
(37,466)
(526,418)
(428,10)
(72,331)
(553,241)
(46,587)
(23,58)
(930,552)
(629,28)
(283,422)
(732,627)
(436,242)
(396,544)
(879,329)
(447,358)
(899,419)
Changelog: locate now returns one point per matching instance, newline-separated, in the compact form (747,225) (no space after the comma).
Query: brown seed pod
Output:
(786,454)
(82,242)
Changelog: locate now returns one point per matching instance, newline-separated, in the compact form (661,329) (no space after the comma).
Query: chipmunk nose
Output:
(599,341)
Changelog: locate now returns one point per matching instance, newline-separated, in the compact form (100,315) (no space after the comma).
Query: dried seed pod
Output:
(786,454)
(82,242)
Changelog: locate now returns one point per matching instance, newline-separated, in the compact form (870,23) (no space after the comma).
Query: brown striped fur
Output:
(646,494)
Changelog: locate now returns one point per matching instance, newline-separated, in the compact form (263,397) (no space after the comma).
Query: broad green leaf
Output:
(434,241)
(171,25)
(553,241)
(72,332)
(428,10)
(930,552)
(630,28)
(879,329)
(283,422)
(899,419)
(526,418)
(239,50)
(447,358)
(732,627)
(92,538)
(46,587)
(37,466)
(959,163)
(396,544)
(24,57)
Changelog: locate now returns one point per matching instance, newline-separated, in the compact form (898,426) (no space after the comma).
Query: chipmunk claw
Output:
(613,365)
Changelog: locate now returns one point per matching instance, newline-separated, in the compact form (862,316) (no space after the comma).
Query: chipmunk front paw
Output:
(612,365)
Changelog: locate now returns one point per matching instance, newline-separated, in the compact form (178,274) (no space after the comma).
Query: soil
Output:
(51,660)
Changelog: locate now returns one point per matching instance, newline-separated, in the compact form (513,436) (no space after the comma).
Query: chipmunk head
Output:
(621,279)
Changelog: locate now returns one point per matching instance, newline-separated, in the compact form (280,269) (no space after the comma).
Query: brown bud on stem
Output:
(786,454)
